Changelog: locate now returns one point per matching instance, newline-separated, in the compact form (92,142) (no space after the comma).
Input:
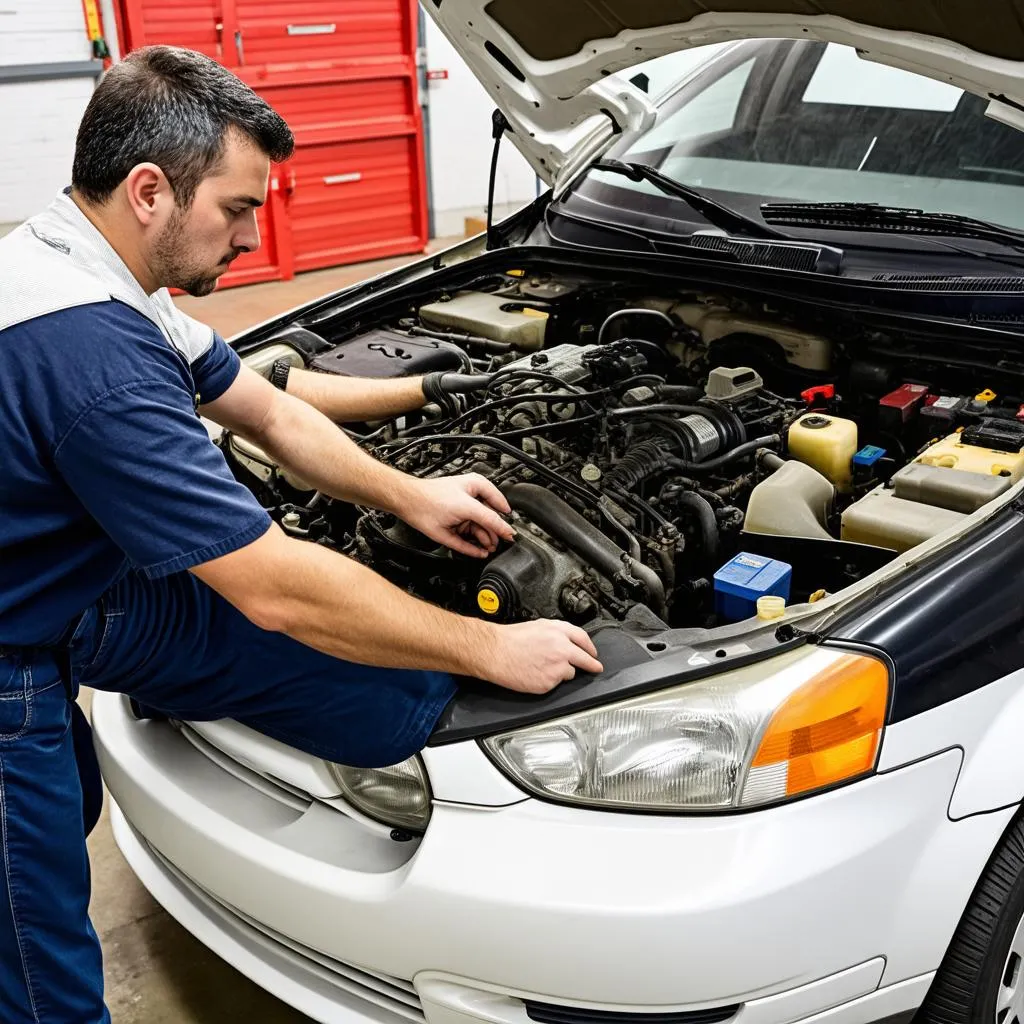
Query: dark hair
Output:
(171,107)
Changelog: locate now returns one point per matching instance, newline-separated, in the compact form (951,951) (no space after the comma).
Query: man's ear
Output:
(149,193)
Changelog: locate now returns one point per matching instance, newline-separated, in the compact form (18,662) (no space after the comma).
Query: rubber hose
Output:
(729,456)
(770,461)
(680,393)
(562,521)
(621,314)
(669,407)
(640,462)
(707,521)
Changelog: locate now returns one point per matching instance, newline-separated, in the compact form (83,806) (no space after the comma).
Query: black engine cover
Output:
(387,354)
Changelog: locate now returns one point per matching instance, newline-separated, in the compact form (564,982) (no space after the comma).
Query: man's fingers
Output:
(583,653)
(580,658)
(464,547)
(492,522)
(581,638)
(482,488)
(484,538)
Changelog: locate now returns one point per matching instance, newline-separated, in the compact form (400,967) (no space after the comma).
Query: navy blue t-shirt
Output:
(106,465)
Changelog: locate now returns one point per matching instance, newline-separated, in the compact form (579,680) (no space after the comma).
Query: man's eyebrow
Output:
(248,201)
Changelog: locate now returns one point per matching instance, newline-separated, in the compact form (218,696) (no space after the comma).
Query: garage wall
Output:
(38,119)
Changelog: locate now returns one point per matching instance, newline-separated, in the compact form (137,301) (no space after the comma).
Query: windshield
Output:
(810,122)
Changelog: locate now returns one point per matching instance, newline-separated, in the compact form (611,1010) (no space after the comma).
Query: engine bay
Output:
(678,460)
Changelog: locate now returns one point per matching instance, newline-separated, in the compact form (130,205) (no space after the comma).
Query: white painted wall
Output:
(460,145)
(38,120)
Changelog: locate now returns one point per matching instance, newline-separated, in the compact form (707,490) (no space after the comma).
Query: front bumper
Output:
(784,915)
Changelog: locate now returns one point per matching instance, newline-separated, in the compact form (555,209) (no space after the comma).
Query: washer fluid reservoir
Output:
(827,444)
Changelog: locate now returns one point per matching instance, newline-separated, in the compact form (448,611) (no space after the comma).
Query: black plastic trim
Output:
(549,1013)
(480,709)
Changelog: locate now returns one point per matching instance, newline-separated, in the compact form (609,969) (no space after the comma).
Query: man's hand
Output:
(461,512)
(534,657)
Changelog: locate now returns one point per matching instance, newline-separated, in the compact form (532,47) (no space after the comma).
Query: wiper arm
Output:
(716,213)
(874,217)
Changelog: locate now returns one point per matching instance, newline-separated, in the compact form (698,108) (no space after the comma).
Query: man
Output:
(131,560)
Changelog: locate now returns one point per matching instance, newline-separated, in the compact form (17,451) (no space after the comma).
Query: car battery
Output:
(741,581)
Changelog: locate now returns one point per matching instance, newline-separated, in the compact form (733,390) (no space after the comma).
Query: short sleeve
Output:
(215,370)
(142,464)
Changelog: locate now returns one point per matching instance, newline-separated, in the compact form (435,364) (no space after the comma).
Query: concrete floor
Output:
(156,973)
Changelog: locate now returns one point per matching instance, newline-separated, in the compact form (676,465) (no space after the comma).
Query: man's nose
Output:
(248,239)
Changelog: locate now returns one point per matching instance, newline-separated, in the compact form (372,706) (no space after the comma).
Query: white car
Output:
(750,374)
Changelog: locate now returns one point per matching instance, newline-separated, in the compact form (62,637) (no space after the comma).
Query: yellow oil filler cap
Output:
(988,395)
(488,601)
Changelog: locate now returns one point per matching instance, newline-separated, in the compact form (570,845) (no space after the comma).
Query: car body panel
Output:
(953,625)
(531,906)
(548,66)
(334,993)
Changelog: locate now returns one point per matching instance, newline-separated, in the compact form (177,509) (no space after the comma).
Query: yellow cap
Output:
(986,396)
(516,273)
(771,607)
(488,601)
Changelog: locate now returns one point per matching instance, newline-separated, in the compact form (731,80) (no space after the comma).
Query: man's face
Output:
(197,245)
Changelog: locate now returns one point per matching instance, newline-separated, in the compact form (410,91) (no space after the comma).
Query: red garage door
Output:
(343,74)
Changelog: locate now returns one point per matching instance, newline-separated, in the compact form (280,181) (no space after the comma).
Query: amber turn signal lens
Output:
(829,730)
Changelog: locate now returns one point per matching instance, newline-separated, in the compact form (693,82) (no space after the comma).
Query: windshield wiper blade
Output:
(716,213)
(874,217)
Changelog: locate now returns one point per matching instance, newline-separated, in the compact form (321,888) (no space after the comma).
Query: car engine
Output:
(642,460)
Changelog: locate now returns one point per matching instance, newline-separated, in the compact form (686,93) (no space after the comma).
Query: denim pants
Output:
(179,650)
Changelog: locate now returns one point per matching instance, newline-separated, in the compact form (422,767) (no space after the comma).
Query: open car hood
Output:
(545,63)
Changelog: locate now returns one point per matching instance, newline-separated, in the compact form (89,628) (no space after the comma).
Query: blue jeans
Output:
(179,650)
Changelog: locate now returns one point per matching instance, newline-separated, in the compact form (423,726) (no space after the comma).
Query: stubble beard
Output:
(173,263)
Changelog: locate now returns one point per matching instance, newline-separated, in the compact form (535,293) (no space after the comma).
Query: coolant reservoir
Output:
(827,444)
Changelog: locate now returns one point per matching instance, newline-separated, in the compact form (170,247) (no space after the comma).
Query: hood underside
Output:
(547,65)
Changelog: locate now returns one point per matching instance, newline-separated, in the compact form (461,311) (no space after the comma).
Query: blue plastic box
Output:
(739,583)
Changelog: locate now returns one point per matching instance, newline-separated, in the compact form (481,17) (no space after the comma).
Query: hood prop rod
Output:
(499,125)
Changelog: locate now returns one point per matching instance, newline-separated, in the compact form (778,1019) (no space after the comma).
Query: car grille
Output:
(390,993)
(548,1013)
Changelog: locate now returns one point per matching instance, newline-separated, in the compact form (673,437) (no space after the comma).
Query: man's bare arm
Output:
(304,440)
(356,399)
(342,608)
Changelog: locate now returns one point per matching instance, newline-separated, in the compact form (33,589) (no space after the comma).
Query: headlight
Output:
(398,796)
(797,723)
